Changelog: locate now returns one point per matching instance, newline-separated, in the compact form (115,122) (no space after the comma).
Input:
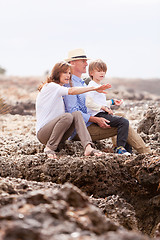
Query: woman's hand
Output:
(102,88)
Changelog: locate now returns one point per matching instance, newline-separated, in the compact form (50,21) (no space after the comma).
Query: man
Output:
(98,127)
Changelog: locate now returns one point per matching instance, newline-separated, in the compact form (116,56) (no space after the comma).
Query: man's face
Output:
(80,65)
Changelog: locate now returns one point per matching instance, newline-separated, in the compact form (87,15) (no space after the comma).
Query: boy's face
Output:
(98,75)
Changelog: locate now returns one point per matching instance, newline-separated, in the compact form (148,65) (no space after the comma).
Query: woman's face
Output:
(65,77)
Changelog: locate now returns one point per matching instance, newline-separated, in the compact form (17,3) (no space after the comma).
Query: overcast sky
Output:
(35,34)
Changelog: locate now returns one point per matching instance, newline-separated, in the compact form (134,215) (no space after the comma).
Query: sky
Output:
(35,34)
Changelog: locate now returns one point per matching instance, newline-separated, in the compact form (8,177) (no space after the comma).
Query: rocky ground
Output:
(76,197)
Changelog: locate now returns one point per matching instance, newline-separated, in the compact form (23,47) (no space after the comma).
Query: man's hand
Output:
(102,122)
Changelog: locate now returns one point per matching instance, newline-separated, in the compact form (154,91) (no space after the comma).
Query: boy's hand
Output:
(118,102)
(106,109)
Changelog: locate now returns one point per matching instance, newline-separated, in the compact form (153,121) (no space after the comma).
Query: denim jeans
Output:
(122,125)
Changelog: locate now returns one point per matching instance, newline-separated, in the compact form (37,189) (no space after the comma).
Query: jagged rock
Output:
(157,231)
(57,213)
(151,122)
(118,210)
(23,108)
(149,128)
(135,179)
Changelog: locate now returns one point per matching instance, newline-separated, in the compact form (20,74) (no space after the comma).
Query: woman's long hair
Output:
(58,68)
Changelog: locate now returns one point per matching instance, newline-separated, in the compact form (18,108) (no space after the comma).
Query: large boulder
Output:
(56,213)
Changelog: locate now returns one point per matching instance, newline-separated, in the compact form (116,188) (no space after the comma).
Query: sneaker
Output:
(122,150)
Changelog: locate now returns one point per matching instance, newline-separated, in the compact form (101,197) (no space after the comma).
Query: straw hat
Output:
(76,54)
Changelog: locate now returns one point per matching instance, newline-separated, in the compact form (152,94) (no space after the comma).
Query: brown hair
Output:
(58,68)
(98,65)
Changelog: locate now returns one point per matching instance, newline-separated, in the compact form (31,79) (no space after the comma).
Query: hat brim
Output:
(75,59)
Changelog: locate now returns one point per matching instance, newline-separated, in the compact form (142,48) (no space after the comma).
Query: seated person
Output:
(98,106)
(97,126)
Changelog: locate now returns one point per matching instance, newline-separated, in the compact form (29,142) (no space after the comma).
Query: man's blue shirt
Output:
(77,102)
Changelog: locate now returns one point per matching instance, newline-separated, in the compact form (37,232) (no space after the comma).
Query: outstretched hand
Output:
(103,87)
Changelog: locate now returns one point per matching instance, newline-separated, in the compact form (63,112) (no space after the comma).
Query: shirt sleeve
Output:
(62,90)
(108,103)
(56,88)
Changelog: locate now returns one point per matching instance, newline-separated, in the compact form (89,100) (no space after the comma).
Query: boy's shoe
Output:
(122,150)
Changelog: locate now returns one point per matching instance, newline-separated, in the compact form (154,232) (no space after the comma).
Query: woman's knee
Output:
(77,114)
(67,118)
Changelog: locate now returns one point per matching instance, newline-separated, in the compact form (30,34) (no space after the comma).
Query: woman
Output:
(54,126)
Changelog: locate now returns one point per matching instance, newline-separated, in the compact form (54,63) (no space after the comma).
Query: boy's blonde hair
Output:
(98,65)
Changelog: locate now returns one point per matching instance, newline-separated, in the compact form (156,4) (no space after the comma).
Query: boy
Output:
(98,106)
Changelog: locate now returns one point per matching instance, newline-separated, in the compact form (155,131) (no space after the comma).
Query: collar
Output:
(77,79)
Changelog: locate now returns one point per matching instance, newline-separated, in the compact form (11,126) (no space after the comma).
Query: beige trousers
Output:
(60,129)
(134,139)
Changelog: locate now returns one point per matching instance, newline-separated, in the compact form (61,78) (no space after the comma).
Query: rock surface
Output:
(76,197)
(53,212)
